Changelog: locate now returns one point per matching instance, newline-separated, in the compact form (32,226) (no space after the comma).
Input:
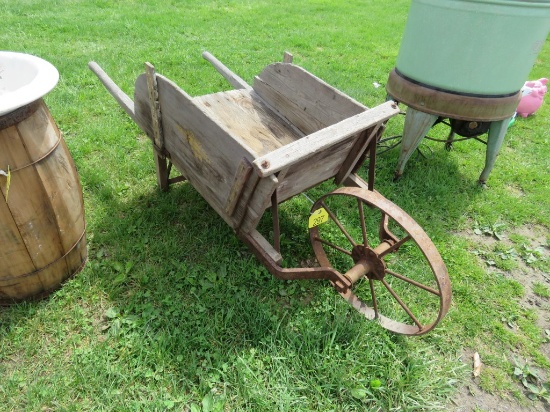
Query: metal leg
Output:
(450,141)
(497,131)
(417,125)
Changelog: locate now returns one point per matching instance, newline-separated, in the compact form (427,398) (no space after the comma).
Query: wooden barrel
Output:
(42,228)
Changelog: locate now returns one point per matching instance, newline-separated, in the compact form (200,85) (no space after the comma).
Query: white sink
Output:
(23,79)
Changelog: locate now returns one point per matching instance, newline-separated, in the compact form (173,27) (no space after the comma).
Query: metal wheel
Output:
(387,257)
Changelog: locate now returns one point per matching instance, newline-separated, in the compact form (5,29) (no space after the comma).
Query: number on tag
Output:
(317,218)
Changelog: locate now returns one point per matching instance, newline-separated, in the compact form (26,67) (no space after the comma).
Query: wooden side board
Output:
(303,99)
(210,138)
(207,154)
(313,170)
(324,139)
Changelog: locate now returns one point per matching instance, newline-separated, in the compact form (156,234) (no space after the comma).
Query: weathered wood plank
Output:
(354,180)
(161,164)
(324,139)
(35,218)
(306,101)
(14,258)
(206,153)
(231,77)
(287,57)
(357,153)
(241,177)
(249,120)
(312,171)
(241,207)
(158,138)
(266,246)
(41,131)
(259,202)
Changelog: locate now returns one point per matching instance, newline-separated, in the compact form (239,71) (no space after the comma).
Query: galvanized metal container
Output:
(477,47)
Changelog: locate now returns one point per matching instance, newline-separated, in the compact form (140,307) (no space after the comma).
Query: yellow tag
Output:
(8,184)
(318,217)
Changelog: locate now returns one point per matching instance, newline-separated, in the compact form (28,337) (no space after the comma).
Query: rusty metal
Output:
(466,128)
(340,282)
(451,105)
(376,268)
(369,261)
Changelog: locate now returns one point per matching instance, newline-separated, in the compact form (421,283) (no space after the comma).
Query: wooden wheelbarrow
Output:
(249,149)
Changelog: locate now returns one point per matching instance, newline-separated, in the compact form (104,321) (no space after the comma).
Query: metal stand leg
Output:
(497,131)
(417,125)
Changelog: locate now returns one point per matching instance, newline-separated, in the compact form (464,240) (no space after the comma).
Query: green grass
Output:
(173,312)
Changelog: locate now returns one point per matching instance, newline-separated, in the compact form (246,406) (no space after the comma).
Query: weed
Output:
(541,290)
(532,382)
(490,229)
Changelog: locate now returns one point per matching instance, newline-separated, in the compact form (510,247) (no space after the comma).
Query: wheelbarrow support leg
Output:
(161,163)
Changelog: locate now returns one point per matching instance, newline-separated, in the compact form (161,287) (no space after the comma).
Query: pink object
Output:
(533,92)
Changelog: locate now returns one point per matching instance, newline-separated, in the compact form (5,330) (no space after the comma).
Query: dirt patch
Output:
(534,245)
(472,398)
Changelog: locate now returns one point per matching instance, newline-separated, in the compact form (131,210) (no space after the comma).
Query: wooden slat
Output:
(241,177)
(306,101)
(14,258)
(354,180)
(33,215)
(248,119)
(231,77)
(158,138)
(266,246)
(161,163)
(316,169)
(259,202)
(59,179)
(356,153)
(41,132)
(324,139)
(287,57)
(241,207)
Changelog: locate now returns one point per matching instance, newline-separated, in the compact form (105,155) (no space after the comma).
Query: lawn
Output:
(173,312)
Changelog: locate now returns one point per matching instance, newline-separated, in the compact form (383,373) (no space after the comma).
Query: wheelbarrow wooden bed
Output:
(249,149)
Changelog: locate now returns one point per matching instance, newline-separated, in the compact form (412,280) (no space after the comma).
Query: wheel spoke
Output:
(332,245)
(395,246)
(402,304)
(340,226)
(362,218)
(374,301)
(413,282)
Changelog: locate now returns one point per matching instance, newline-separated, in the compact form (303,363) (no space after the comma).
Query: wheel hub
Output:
(376,266)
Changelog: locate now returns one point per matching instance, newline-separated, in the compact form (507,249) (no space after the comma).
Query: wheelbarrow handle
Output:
(231,77)
(122,98)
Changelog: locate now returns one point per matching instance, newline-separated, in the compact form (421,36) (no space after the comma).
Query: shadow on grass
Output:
(168,255)
(187,306)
